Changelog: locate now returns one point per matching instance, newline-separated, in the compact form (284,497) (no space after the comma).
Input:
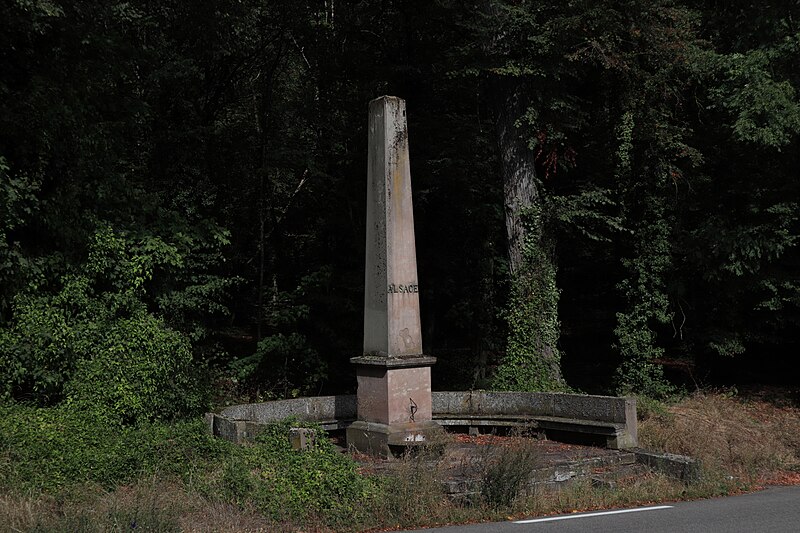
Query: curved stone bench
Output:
(609,417)
(239,423)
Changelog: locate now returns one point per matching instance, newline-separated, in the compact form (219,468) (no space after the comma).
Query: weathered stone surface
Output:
(302,438)
(608,416)
(378,439)
(373,395)
(467,408)
(320,408)
(394,395)
(225,428)
(578,406)
(237,431)
(393,362)
(391,297)
(208,418)
(631,424)
(680,467)
(600,408)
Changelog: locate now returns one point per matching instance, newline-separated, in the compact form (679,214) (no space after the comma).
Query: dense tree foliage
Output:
(606,193)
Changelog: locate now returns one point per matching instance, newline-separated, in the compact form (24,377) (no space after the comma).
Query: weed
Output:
(506,474)
(410,492)
(647,407)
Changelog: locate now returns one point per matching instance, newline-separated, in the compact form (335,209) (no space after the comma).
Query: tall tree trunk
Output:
(520,192)
(532,360)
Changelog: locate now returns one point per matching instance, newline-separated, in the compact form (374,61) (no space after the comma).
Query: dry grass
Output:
(153,505)
(88,508)
(749,438)
(412,494)
(649,489)
(214,517)
(22,512)
(582,496)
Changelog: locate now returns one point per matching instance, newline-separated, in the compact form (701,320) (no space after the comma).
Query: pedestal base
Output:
(374,438)
(394,404)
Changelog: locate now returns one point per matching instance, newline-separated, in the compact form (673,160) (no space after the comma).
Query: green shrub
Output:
(60,449)
(48,335)
(94,341)
(287,484)
(130,367)
(51,448)
(141,370)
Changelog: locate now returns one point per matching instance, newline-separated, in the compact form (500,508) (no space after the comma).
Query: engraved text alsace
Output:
(402,289)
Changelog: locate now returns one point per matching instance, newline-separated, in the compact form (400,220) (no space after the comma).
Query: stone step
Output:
(606,469)
(610,477)
(581,468)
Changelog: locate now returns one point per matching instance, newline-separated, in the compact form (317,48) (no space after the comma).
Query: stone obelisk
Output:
(394,376)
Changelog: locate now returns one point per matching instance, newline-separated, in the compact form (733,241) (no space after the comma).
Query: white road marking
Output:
(587,515)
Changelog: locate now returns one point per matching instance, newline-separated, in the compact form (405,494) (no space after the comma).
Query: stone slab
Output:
(680,467)
(302,438)
(236,431)
(609,416)
(320,408)
(584,407)
(394,362)
(602,408)
(378,439)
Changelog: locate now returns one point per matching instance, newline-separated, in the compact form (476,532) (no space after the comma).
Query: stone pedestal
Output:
(394,404)
(394,377)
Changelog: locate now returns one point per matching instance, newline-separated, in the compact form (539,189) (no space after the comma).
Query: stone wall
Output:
(582,413)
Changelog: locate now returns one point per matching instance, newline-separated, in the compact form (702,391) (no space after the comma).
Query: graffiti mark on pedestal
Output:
(413,409)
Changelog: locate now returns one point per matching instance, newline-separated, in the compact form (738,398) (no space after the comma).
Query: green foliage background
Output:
(182,200)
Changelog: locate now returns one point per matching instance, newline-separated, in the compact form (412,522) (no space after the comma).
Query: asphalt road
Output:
(775,509)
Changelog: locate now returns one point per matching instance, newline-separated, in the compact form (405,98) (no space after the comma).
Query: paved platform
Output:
(463,461)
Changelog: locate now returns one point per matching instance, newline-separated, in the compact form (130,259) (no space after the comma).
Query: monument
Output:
(394,376)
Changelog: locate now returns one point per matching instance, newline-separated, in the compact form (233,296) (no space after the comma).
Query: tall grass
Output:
(748,439)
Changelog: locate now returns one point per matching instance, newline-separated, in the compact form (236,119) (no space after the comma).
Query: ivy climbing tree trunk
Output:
(532,360)
(647,304)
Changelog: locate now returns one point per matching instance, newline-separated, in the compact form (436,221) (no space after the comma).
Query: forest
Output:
(606,195)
